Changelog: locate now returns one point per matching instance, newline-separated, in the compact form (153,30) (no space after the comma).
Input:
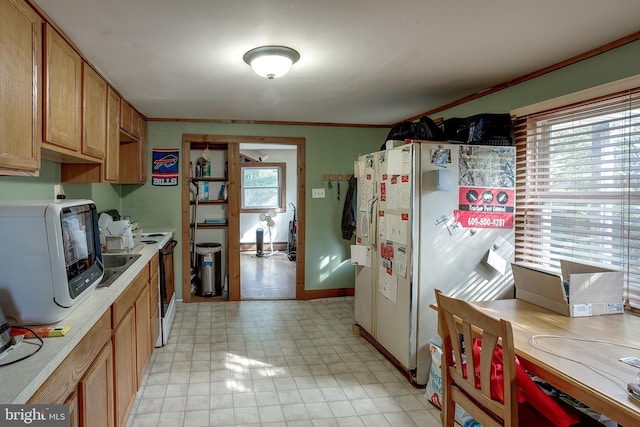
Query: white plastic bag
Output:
(433,392)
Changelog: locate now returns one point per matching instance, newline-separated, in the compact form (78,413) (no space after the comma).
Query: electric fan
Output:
(266,220)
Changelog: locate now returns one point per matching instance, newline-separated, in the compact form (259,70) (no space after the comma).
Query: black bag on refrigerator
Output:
(425,129)
(487,129)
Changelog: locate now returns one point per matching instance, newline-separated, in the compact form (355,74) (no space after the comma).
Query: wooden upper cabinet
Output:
(136,124)
(94,117)
(20,88)
(63,93)
(126,116)
(142,152)
(111,161)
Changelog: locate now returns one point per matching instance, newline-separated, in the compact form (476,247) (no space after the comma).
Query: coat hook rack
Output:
(337,177)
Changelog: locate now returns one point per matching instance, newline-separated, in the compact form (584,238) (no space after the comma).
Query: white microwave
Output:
(50,259)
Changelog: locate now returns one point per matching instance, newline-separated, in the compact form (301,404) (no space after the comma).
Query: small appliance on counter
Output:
(5,333)
(118,235)
(50,259)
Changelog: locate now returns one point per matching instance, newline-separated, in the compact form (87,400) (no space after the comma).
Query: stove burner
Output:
(155,235)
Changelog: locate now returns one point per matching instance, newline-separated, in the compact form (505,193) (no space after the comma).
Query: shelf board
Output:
(211,179)
(205,225)
(209,202)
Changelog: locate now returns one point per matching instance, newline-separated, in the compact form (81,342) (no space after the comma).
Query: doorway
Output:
(268,233)
(231,260)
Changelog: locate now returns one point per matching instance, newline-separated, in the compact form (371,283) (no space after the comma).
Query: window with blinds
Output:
(578,186)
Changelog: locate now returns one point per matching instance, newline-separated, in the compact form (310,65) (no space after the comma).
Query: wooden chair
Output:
(458,318)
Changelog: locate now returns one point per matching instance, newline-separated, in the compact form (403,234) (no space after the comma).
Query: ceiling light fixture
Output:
(271,61)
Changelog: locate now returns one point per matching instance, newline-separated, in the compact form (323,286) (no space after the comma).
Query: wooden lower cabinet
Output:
(131,343)
(143,333)
(96,392)
(74,410)
(99,379)
(124,366)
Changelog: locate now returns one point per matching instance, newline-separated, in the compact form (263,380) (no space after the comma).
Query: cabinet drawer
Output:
(129,296)
(65,378)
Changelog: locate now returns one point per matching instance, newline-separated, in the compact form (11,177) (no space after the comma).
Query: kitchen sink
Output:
(118,260)
(114,265)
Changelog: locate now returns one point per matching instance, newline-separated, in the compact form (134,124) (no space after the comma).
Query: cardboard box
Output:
(593,290)
(582,290)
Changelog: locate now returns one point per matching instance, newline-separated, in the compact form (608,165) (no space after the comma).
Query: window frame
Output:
(534,156)
(282,169)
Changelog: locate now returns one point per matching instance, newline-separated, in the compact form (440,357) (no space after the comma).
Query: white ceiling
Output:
(362,61)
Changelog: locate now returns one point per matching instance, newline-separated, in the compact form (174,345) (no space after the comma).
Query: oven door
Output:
(167,281)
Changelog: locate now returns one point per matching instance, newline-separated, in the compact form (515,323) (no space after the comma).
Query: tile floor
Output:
(272,277)
(274,363)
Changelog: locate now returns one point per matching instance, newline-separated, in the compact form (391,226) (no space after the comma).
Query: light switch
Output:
(317,193)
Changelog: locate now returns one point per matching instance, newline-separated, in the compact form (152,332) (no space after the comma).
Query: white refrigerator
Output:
(430,215)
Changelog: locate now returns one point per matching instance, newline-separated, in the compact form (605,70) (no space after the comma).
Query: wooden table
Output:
(603,388)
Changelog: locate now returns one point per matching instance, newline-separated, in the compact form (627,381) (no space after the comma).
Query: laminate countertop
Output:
(19,381)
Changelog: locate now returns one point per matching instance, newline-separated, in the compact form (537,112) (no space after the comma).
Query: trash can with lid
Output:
(209,259)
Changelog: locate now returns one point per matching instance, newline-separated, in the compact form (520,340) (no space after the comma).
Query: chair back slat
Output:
(458,318)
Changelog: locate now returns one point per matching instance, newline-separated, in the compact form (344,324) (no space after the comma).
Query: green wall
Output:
(610,66)
(41,188)
(329,150)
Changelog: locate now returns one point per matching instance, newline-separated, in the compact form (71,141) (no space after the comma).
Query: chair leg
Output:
(447,416)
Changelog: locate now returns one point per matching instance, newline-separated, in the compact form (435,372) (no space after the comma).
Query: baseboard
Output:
(326,293)
(251,247)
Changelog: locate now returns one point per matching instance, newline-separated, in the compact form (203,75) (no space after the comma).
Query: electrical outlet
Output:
(57,190)
(317,193)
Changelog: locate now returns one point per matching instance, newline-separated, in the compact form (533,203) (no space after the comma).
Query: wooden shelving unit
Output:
(213,208)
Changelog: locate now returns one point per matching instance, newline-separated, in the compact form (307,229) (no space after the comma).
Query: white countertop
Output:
(18,382)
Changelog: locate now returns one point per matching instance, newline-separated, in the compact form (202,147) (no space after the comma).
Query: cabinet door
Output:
(63,97)
(111,160)
(94,117)
(74,410)
(96,391)
(136,120)
(126,116)
(20,90)
(143,332)
(124,366)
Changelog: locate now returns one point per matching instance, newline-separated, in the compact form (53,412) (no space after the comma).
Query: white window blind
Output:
(578,186)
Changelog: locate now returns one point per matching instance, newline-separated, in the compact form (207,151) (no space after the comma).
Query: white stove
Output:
(160,238)
(167,303)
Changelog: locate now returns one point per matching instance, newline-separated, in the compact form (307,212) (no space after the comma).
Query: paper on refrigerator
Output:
(500,255)
(398,227)
(361,255)
(388,284)
(399,161)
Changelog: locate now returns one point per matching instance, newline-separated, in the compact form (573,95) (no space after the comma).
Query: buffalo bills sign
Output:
(164,171)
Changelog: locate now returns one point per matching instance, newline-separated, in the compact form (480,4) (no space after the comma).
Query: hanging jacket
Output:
(349,210)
